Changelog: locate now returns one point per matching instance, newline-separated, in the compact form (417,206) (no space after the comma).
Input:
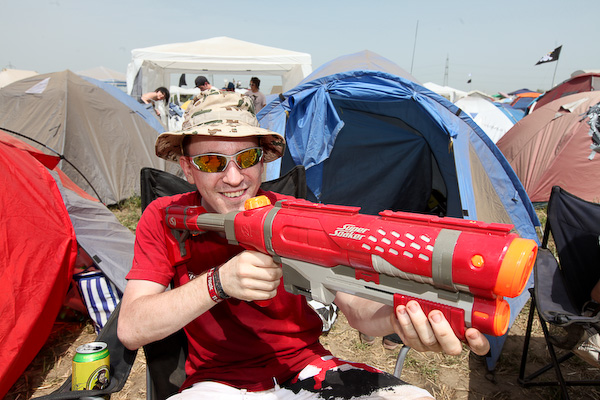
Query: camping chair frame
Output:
(557,309)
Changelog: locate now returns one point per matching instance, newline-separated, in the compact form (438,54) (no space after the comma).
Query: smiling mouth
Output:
(233,194)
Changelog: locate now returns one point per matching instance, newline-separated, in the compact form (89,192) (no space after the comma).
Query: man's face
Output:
(225,191)
(204,86)
(160,95)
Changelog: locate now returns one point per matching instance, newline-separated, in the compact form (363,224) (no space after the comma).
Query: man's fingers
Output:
(261,260)
(251,276)
(477,342)
(421,325)
(414,328)
(444,334)
(405,327)
(433,332)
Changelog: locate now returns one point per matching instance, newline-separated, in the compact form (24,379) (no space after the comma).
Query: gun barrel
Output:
(463,268)
(452,254)
(194,219)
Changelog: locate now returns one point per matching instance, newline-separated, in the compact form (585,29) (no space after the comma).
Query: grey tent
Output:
(106,141)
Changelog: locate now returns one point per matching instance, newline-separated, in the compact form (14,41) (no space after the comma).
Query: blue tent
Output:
(372,139)
(514,114)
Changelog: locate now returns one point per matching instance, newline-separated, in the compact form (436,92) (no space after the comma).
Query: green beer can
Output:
(91,367)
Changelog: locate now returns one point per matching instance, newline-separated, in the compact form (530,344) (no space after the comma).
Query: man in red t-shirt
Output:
(235,345)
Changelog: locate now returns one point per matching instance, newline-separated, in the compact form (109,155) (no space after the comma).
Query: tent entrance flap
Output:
(358,164)
(370,151)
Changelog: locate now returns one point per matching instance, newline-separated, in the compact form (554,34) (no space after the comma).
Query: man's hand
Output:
(250,276)
(433,332)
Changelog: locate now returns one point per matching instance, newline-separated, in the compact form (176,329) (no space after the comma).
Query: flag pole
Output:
(414,48)
(554,76)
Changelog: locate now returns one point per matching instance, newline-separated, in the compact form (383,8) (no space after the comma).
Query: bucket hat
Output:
(224,114)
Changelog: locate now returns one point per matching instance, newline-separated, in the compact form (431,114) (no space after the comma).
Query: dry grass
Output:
(446,377)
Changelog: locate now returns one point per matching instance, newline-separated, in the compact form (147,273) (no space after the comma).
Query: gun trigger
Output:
(182,237)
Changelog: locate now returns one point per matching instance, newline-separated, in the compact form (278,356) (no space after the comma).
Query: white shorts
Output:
(327,378)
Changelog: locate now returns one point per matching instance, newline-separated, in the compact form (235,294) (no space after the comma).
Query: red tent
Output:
(581,83)
(552,147)
(38,253)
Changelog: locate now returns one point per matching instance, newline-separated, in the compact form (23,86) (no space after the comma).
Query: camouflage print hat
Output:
(220,113)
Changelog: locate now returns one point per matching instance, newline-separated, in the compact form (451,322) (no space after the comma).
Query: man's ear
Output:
(187,169)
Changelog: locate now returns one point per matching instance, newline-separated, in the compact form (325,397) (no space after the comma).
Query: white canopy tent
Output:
(107,75)
(8,76)
(446,91)
(151,67)
(103,74)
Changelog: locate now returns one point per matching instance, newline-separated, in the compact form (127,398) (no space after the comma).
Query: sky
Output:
(495,43)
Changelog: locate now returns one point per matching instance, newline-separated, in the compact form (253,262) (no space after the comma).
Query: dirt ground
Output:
(447,378)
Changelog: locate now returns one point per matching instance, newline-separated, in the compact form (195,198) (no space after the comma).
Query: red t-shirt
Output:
(236,342)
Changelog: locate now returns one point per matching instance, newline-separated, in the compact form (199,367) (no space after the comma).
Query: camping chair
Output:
(561,289)
(165,360)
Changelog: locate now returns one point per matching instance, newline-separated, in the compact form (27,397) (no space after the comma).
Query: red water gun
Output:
(461,267)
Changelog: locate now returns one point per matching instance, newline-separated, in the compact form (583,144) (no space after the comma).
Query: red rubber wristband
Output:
(210,282)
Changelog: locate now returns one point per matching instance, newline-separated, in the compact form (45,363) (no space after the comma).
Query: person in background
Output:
(161,93)
(258,98)
(239,349)
(202,83)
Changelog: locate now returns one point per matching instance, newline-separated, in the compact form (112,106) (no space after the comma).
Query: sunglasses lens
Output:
(218,163)
(210,163)
(248,158)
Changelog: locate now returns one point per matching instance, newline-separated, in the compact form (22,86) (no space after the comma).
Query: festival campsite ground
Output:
(447,378)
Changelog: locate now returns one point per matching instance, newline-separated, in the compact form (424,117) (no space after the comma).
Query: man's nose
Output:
(233,174)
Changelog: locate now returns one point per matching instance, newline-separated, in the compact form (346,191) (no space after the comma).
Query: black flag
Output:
(552,56)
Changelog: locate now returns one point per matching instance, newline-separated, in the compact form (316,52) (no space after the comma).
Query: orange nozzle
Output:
(491,316)
(516,267)
(501,318)
(257,202)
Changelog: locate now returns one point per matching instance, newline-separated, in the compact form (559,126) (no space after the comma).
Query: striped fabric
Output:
(100,296)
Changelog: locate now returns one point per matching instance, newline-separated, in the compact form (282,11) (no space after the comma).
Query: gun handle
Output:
(455,316)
